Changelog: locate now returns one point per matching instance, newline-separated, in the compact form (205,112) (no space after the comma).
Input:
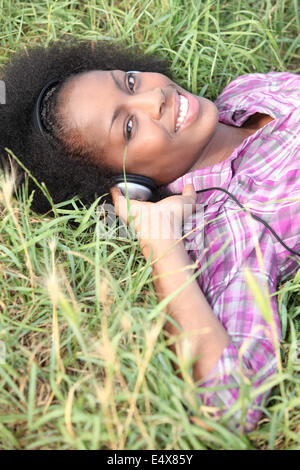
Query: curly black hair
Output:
(66,170)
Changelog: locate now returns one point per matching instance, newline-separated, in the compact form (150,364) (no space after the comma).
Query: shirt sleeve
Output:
(249,359)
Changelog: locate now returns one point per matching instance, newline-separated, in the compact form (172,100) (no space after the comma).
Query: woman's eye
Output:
(130,81)
(128,129)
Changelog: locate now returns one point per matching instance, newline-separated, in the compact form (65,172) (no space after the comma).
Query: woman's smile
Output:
(187,110)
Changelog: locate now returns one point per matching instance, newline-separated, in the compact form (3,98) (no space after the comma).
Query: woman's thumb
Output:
(189,190)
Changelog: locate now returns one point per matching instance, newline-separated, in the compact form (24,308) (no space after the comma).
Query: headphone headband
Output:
(37,122)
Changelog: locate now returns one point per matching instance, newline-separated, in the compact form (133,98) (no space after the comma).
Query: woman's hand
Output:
(158,225)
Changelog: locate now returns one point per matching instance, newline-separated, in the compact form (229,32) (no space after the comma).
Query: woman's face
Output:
(164,127)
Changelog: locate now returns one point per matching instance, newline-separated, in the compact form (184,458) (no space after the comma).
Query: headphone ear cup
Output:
(135,191)
(138,187)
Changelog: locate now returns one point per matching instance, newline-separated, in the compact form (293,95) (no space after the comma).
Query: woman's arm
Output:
(199,329)
(243,356)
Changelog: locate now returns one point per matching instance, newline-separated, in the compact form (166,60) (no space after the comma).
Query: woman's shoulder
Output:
(272,93)
(270,81)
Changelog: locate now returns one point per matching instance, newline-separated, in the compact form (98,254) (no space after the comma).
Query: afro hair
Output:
(65,174)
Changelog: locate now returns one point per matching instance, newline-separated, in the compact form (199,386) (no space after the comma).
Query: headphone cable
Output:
(253,215)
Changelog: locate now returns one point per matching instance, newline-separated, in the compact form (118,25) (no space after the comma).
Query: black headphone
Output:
(37,121)
(137,186)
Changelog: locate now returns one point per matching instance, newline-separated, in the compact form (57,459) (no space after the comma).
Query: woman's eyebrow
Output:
(117,82)
(118,110)
(115,115)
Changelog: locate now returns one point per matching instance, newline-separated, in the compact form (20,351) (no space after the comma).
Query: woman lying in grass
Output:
(95,104)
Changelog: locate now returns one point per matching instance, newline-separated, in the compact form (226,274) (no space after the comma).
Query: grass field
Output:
(87,365)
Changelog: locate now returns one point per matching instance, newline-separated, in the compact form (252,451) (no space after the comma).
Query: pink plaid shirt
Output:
(263,173)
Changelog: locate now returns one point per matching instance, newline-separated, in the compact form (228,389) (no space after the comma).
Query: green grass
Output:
(87,365)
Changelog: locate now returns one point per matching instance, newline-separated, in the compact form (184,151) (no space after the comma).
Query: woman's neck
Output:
(221,145)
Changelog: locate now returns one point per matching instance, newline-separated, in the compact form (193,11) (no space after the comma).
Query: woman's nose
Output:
(150,102)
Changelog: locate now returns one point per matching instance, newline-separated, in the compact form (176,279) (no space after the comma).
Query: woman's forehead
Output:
(87,107)
(82,84)
(81,95)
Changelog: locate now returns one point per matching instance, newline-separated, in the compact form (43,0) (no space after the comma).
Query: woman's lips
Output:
(192,112)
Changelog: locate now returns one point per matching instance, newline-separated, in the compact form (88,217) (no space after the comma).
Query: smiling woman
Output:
(70,125)
(90,114)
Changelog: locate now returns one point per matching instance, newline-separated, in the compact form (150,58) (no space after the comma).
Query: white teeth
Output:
(183,107)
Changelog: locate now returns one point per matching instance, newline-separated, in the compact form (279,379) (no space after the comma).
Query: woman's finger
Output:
(120,203)
(121,208)
(189,191)
(190,196)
